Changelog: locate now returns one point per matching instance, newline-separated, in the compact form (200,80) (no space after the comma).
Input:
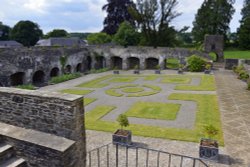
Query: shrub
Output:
(28,87)
(196,63)
(243,75)
(99,70)
(238,69)
(123,120)
(248,85)
(64,77)
(210,131)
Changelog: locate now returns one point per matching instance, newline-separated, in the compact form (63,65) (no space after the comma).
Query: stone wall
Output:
(215,44)
(53,113)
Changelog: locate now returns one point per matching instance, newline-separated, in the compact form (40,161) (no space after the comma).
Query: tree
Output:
(99,38)
(244,30)
(57,33)
(4,32)
(153,18)
(126,35)
(123,120)
(213,17)
(26,32)
(117,13)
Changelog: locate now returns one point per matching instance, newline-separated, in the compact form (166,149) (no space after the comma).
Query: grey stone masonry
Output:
(54,113)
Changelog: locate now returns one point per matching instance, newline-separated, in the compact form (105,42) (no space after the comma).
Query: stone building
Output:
(215,44)
(10,44)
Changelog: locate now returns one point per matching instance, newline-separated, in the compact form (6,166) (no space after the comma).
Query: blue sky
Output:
(85,15)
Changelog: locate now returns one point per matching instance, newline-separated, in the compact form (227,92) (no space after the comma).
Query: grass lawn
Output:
(154,110)
(176,79)
(151,78)
(113,92)
(237,54)
(172,63)
(96,83)
(132,90)
(207,84)
(76,91)
(123,79)
(88,101)
(207,113)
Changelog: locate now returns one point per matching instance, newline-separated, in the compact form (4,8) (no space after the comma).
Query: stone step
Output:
(14,162)
(6,152)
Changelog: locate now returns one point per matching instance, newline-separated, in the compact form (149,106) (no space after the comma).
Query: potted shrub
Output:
(158,69)
(122,136)
(180,70)
(115,71)
(207,69)
(136,69)
(209,148)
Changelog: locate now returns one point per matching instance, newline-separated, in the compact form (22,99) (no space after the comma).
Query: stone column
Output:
(108,63)
(162,62)
(125,63)
(142,63)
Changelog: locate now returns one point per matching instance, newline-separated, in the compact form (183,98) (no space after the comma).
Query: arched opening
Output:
(213,56)
(133,62)
(116,62)
(100,62)
(38,78)
(88,63)
(152,63)
(79,67)
(17,79)
(68,69)
(1,85)
(54,72)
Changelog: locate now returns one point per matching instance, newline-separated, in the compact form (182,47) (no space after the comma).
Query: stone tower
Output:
(215,43)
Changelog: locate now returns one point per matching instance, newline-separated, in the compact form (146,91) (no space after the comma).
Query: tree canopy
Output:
(213,17)
(117,13)
(4,32)
(99,38)
(26,32)
(57,33)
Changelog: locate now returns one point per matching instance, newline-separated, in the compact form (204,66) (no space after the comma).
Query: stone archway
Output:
(133,62)
(68,69)
(79,67)
(38,78)
(17,79)
(215,43)
(100,62)
(54,72)
(116,62)
(151,63)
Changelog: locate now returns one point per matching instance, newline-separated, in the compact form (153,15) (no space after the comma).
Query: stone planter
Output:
(123,137)
(136,72)
(157,71)
(180,71)
(207,71)
(116,72)
(209,149)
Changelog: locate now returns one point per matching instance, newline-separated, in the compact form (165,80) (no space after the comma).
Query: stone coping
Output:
(36,137)
(46,94)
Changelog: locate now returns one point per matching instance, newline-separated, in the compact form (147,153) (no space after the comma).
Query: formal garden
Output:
(167,106)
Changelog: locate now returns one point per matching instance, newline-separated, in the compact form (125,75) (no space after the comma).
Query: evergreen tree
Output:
(117,13)
(244,30)
(213,17)
(4,32)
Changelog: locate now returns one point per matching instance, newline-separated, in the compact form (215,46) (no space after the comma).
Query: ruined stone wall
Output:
(53,113)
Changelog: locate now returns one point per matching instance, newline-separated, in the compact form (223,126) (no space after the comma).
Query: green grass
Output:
(155,88)
(28,87)
(123,79)
(207,113)
(125,86)
(96,83)
(207,84)
(76,91)
(112,92)
(237,54)
(172,63)
(154,110)
(176,79)
(88,101)
(151,78)
(63,78)
(141,94)
(132,90)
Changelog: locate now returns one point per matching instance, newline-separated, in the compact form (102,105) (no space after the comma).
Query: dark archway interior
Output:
(68,69)
(79,67)
(38,78)
(54,72)
(152,63)
(88,63)
(133,62)
(1,85)
(116,62)
(17,79)
(100,62)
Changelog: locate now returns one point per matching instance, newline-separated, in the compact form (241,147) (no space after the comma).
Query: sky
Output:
(86,15)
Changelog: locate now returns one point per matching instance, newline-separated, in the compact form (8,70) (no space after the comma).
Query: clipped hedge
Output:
(196,63)
(64,78)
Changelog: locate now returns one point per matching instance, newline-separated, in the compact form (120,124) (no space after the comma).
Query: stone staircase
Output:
(8,157)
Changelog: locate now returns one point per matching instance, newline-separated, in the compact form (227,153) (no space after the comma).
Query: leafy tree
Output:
(4,32)
(117,13)
(99,38)
(244,30)
(213,17)
(153,18)
(126,35)
(26,32)
(57,33)
(195,63)
(123,120)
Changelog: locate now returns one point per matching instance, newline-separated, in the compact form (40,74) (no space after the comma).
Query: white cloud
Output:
(36,6)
